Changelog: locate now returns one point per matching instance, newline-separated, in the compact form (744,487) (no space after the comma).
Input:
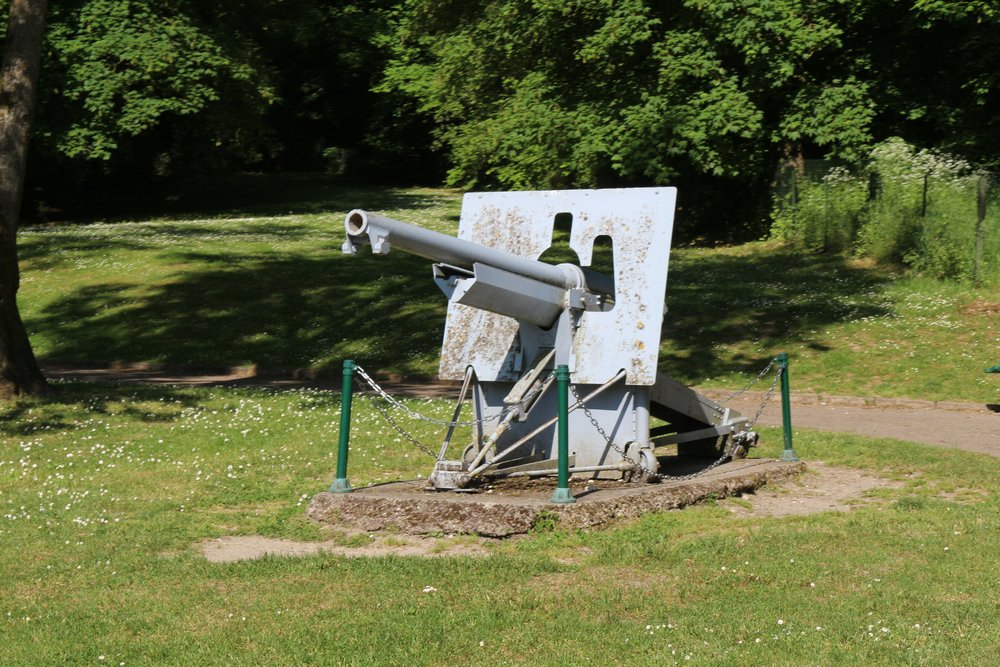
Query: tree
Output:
(146,89)
(133,93)
(937,83)
(540,92)
(708,95)
(19,372)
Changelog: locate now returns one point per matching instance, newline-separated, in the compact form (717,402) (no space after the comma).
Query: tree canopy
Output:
(534,92)
(140,90)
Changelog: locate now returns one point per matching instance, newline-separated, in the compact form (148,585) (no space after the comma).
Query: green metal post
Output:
(563,494)
(786,409)
(341,485)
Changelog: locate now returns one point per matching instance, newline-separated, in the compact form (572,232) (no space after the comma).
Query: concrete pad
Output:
(514,506)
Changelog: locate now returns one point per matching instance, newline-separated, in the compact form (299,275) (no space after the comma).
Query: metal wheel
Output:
(469,454)
(648,467)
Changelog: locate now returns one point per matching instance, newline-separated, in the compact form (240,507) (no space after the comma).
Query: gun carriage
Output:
(512,319)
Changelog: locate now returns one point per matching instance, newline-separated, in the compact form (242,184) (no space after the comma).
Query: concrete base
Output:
(513,506)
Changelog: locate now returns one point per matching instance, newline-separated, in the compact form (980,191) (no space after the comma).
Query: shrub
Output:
(907,207)
(821,214)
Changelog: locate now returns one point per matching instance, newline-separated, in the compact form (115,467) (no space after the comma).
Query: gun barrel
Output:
(383,233)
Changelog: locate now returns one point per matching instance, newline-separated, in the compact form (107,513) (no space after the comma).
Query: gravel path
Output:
(968,426)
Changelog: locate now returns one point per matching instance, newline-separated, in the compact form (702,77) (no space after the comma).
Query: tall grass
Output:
(821,213)
(911,208)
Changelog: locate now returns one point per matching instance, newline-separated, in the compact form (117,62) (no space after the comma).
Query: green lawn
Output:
(848,328)
(107,490)
(245,285)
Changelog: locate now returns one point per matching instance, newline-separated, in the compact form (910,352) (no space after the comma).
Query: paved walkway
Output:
(968,426)
(977,431)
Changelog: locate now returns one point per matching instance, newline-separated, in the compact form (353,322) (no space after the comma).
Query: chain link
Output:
(767,397)
(597,425)
(752,382)
(715,464)
(416,415)
(729,451)
(384,396)
(399,429)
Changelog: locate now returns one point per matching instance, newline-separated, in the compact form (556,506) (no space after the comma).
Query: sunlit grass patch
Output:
(849,328)
(107,490)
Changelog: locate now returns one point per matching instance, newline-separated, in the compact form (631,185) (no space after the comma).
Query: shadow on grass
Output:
(70,406)
(38,254)
(249,195)
(761,301)
(288,312)
(729,312)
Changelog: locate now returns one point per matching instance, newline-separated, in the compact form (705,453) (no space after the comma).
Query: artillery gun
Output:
(512,319)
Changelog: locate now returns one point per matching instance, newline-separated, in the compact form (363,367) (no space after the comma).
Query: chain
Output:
(752,382)
(597,425)
(416,415)
(384,396)
(728,453)
(767,397)
(399,429)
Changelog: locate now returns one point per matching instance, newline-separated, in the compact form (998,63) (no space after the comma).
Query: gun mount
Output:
(512,319)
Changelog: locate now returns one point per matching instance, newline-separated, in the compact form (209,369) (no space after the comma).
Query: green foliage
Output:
(545,522)
(123,71)
(958,40)
(534,94)
(958,9)
(835,115)
(518,93)
(908,207)
(925,213)
(136,91)
(530,142)
(820,214)
(129,64)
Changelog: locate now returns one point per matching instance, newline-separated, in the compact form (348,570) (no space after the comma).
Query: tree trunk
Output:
(19,372)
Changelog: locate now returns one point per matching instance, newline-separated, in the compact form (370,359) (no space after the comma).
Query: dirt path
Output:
(253,547)
(822,488)
(967,426)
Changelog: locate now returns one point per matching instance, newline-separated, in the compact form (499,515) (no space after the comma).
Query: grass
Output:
(246,286)
(272,291)
(107,490)
(849,328)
